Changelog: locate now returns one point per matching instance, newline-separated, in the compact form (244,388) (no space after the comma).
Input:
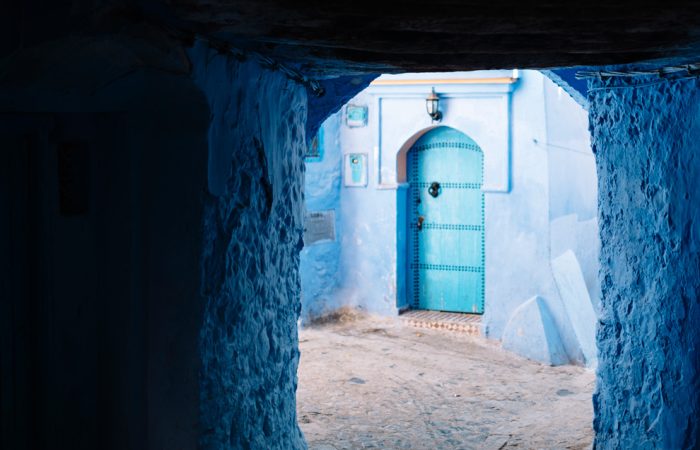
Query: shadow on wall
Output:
(101,218)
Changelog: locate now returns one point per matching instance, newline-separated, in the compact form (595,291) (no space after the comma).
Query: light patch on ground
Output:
(374,383)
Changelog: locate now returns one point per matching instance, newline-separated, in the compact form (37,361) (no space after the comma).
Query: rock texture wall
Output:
(648,389)
(252,238)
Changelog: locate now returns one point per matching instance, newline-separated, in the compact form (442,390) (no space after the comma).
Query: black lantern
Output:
(432,106)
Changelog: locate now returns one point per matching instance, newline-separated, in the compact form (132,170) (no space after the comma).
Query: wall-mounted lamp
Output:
(432,103)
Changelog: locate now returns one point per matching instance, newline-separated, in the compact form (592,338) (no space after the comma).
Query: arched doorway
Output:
(446,264)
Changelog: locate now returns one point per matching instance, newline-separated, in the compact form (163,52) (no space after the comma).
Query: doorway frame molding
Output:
(403,271)
(471,89)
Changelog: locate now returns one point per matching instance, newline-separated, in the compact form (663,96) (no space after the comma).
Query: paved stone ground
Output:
(375,383)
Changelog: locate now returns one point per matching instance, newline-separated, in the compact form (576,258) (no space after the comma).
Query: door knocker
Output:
(434,189)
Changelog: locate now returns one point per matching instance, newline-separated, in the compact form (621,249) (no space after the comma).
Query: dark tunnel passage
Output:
(151,204)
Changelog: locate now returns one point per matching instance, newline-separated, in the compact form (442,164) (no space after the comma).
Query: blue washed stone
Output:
(646,141)
(252,229)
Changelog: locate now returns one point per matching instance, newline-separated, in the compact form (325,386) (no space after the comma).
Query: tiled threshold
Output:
(439,320)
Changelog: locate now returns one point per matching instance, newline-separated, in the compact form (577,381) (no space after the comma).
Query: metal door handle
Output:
(434,189)
(420,222)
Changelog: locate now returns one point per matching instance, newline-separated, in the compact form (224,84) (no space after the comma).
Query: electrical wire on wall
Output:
(660,75)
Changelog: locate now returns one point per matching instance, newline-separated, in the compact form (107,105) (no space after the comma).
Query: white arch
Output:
(401,175)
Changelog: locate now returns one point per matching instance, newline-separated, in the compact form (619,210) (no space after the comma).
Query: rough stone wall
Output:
(648,336)
(252,238)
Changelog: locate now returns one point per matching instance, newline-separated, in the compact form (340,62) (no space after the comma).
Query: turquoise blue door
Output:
(446,222)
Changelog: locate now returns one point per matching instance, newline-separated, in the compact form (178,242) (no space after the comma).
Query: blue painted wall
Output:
(172,328)
(646,143)
(540,176)
(320,261)
(252,235)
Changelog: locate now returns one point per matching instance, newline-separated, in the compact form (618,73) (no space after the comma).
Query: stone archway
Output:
(644,132)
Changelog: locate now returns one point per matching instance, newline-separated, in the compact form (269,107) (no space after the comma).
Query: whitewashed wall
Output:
(527,130)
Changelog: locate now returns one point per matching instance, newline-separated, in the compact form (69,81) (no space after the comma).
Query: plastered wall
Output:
(646,147)
(250,263)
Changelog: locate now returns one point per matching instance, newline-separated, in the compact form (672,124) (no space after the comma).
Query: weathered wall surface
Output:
(252,238)
(319,269)
(648,392)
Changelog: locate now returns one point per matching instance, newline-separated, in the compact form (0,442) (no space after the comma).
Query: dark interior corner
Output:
(151,203)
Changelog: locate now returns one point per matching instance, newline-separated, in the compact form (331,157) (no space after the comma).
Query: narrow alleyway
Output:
(371,383)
